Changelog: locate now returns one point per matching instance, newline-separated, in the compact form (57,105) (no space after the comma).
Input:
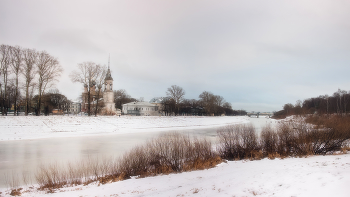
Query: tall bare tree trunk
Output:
(30,59)
(48,70)
(5,63)
(16,65)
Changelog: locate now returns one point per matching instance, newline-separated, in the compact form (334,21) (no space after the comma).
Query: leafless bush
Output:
(51,177)
(331,133)
(238,142)
(54,176)
(134,163)
(286,139)
(268,140)
(296,137)
(172,152)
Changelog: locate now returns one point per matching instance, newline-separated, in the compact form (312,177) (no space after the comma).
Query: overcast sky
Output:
(257,54)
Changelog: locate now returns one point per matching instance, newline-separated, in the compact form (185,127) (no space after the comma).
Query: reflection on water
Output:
(26,155)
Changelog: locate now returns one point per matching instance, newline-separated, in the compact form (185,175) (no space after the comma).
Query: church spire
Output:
(108,75)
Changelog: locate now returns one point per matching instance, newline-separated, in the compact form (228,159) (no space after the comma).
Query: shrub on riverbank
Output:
(168,153)
(297,137)
(334,132)
(238,142)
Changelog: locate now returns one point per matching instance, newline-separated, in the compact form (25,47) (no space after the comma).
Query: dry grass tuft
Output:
(16,192)
(273,155)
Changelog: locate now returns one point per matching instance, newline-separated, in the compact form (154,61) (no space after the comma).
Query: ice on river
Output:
(33,127)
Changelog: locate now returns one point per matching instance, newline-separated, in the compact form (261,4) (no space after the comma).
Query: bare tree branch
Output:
(177,94)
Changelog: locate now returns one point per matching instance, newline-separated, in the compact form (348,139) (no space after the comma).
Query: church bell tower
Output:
(108,95)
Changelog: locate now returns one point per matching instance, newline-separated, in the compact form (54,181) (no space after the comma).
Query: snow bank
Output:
(314,176)
(33,127)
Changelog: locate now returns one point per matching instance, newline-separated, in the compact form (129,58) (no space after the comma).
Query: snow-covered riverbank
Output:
(32,127)
(313,176)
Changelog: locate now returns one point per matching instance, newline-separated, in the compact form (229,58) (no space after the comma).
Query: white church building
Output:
(140,109)
(108,95)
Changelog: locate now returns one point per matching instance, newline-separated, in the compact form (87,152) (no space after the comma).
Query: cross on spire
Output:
(109,57)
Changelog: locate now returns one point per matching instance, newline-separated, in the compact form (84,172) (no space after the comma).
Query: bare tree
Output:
(4,71)
(58,100)
(344,95)
(288,108)
(30,58)
(10,92)
(121,97)
(219,100)
(207,100)
(346,100)
(326,98)
(48,70)
(16,68)
(177,94)
(87,75)
(228,109)
(168,106)
(218,104)
(100,79)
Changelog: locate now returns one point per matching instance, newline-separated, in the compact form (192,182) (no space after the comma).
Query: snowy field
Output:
(33,127)
(313,176)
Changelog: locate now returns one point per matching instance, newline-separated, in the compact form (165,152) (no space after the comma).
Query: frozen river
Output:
(24,156)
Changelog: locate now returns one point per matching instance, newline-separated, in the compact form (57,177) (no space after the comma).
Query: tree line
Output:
(338,103)
(207,104)
(175,103)
(23,73)
(26,75)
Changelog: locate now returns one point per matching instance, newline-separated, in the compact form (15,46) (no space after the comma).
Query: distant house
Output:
(74,108)
(57,112)
(140,109)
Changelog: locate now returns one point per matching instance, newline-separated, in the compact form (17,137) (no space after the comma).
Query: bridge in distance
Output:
(257,114)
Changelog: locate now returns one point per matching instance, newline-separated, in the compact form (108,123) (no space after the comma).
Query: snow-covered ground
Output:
(313,176)
(32,127)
